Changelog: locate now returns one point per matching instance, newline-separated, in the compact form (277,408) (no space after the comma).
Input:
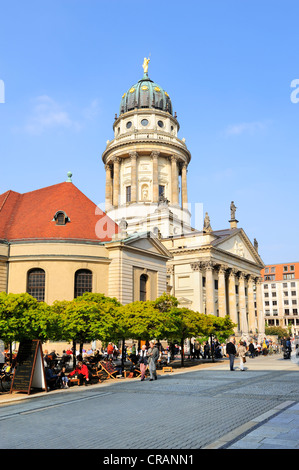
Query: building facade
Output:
(56,244)
(281,295)
(215,272)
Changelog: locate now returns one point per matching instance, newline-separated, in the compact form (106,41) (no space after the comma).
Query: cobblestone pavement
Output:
(209,408)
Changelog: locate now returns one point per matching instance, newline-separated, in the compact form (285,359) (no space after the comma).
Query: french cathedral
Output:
(56,244)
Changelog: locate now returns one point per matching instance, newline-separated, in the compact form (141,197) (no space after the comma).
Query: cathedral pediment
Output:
(238,244)
(147,242)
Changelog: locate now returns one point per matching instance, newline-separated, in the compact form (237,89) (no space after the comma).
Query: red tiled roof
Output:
(30,215)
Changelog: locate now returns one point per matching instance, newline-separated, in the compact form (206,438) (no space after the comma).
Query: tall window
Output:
(143,282)
(36,283)
(128,193)
(83,282)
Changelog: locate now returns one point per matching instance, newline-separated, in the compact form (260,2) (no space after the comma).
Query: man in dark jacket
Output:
(231,352)
(251,349)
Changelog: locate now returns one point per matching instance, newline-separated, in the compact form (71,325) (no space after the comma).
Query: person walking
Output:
(143,361)
(241,353)
(152,354)
(231,352)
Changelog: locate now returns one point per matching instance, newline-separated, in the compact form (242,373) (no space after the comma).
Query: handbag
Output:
(244,359)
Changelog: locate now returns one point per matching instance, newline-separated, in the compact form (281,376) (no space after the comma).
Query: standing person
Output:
(110,350)
(251,349)
(152,354)
(143,361)
(196,349)
(241,353)
(206,350)
(231,352)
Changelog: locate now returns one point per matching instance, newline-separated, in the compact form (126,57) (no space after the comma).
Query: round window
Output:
(129,124)
(160,123)
(144,122)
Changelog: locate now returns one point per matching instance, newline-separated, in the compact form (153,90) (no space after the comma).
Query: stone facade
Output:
(215,272)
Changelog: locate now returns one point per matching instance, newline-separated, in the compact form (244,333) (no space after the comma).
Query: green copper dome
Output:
(145,94)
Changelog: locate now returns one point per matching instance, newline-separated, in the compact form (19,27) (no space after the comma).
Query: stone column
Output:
(221,291)
(251,309)
(109,187)
(116,163)
(242,304)
(259,306)
(170,276)
(133,156)
(184,185)
(174,180)
(197,287)
(232,297)
(210,288)
(155,156)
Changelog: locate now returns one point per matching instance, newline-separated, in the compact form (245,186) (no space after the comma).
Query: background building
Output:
(281,294)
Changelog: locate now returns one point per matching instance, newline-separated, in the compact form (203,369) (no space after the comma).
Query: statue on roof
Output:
(145,64)
(232,210)
(207,224)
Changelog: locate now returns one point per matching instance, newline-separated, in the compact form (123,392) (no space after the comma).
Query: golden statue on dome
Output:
(145,64)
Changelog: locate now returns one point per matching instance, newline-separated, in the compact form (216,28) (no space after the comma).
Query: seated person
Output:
(51,377)
(111,367)
(62,378)
(81,371)
(6,369)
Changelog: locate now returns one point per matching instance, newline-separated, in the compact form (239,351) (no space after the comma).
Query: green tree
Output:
(182,323)
(23,317)
(86,318)
(277,331)
(218,327)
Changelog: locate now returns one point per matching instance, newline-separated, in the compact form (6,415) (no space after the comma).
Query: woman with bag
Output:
(143,361)
(241,354)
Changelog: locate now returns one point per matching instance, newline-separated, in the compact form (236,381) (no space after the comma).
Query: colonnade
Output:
(178,167)
(240,302)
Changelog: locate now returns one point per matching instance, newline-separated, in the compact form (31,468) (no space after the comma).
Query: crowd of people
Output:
(145,360)
(108,359)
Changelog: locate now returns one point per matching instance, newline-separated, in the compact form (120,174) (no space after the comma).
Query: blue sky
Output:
(227,66)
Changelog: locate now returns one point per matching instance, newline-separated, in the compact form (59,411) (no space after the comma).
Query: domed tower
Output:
(146,163)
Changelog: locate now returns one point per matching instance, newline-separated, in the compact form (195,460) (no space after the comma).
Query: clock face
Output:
(144,122)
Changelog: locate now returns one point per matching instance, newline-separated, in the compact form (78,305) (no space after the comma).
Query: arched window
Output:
(36,283)
(83,281)
(143,285)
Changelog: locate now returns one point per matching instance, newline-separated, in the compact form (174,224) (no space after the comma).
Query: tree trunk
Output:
(74,354)
(182,352)
(212,349)
(123,355)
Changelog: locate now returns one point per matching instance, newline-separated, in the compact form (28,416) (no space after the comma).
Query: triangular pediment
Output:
(184,301)
(147,242)
(238,244)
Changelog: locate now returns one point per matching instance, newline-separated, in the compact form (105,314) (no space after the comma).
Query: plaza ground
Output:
(201,407)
